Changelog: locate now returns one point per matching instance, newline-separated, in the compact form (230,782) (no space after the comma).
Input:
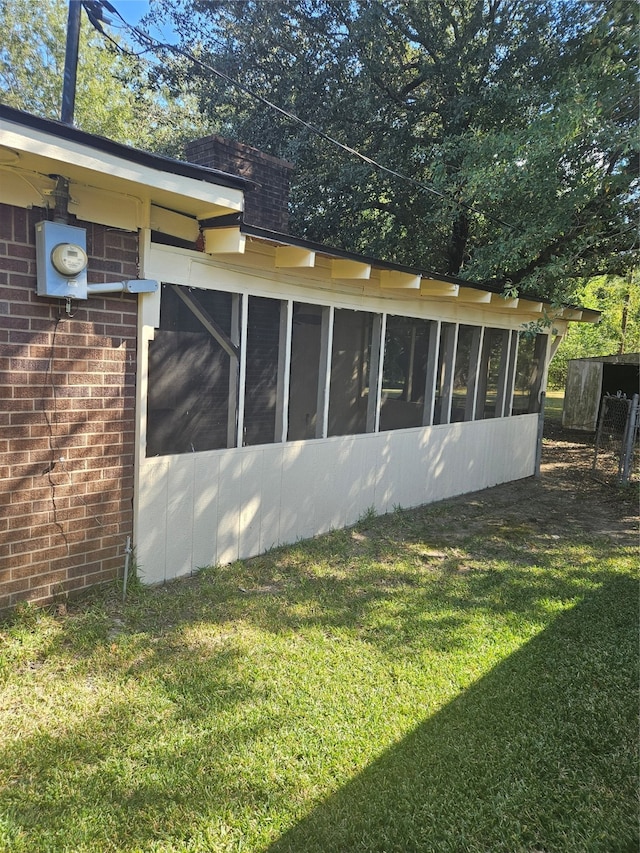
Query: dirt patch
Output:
(565,497)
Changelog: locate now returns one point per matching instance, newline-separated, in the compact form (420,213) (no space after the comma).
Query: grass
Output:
(375,689)
(553,405)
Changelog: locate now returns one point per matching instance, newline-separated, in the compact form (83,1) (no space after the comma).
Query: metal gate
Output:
(616,459)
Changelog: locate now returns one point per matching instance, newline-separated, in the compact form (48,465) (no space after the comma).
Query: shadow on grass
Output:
(536,756)
(392,592)
(539,755)
(389,595)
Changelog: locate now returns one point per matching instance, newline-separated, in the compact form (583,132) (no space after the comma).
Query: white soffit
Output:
(590,316)
(572,314)
(44,153)
(434,287)
(470,294)
(500,301)
(294,256)
(224,241)
(531,307)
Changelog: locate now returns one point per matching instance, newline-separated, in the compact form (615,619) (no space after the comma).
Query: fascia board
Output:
(79,160)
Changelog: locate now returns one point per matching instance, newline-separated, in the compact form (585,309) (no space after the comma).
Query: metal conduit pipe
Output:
(133,285)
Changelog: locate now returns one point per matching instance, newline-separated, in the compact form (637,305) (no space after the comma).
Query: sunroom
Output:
(288,388)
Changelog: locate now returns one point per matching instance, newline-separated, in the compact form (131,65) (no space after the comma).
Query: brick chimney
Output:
(266,206)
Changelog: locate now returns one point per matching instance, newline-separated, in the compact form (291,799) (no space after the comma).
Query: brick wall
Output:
(67,397)
(266,206)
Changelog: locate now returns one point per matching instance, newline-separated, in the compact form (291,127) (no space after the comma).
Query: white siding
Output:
(214,507)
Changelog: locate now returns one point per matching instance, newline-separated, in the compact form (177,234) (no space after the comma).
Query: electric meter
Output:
(69,259)
(61,260)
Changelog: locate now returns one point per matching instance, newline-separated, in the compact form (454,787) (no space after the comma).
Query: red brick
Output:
(114,563)
(82,370)
(39,393)
(83,570)
(14,586)
(72,584)
(18,406)
(39,595)
(29,570)
(38,366)
(20,560)
(17,458)
(103,576)
(15,324)
(33,544)
(17,268)
(49,578)
(16,523)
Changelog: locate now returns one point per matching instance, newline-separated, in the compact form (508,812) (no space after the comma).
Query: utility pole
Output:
(71,62)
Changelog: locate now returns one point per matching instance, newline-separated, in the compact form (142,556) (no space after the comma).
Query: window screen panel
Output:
(306,343)
(190,375)
(493,368)
(463,374)
(350,363)
(444,373)
(261,377)
(529,370)
(406,350)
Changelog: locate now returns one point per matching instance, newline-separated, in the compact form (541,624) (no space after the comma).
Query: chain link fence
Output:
(616,458)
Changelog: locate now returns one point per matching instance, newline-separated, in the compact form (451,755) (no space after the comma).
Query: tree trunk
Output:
(625,320)
(458,244)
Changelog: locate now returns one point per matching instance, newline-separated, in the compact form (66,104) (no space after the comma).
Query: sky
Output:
(133,10)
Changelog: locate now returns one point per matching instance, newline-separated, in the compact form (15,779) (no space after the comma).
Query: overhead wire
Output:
(154,45)
(93,8)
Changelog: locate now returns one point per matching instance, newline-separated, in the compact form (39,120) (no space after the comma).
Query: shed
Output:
(589,379)
(209,387)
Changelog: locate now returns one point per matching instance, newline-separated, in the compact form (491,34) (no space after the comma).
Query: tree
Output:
(518,114)
(114,95)
(617,332)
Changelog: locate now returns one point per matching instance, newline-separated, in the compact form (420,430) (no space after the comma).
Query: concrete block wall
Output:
(67,397)
(266,206)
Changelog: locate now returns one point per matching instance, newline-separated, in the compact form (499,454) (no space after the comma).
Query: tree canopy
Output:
(618,300)
(115,96)
(515,121)
(519,117)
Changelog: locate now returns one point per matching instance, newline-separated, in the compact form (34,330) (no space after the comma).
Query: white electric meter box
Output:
(61,259)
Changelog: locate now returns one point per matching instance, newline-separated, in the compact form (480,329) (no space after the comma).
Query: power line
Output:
(154,45)
(93,8)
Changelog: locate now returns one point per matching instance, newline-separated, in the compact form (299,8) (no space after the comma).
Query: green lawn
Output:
(554,403)
(384,688)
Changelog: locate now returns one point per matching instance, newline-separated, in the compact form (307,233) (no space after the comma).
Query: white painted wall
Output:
(196,510)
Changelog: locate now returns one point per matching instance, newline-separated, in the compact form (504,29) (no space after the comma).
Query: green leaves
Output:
(114,96)
(524,111)
(513,111)
(618,300)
